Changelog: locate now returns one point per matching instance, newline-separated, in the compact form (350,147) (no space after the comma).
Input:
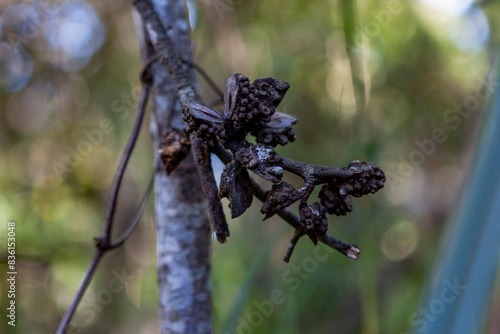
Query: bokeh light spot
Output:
(471,31)
(16,67)
(399,241)
(452,7)
(75,34)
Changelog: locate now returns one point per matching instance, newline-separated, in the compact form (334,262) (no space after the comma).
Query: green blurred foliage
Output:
(404,66)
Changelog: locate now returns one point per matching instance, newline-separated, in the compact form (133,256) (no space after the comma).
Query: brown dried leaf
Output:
(237,187)
(204,114)
(230,94)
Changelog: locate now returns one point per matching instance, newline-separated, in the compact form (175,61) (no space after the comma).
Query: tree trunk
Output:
(183,231)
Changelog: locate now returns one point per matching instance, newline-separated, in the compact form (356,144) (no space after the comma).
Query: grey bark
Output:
(183,231)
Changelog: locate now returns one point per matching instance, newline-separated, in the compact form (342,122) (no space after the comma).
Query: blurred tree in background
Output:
(400,83)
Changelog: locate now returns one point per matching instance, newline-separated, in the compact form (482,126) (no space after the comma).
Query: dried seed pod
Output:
(273,90)
(278,131)
(231,93)
(313,218)
(249,107)
(279,197)
(369,180)
(335,199)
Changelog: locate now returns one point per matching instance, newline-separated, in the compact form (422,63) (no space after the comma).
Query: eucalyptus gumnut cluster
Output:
(279,197)
(250,108)
(336,197)
(313,218)
(254,104)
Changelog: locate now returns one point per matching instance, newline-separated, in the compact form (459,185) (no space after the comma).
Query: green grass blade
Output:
(349,22)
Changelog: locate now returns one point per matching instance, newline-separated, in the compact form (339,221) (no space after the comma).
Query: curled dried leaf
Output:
(204,114)
(233,84)
(237,187)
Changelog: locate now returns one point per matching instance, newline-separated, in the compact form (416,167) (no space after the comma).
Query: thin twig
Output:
(318,172)
(348,250)
(192,64)
(292,244)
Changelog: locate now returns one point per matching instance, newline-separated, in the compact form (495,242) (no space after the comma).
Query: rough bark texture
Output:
(183,232)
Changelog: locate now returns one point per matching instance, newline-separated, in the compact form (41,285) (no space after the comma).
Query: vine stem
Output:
(103,243)
(65,321)
(117,181)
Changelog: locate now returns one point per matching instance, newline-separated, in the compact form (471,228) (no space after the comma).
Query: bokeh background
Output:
(369,81)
